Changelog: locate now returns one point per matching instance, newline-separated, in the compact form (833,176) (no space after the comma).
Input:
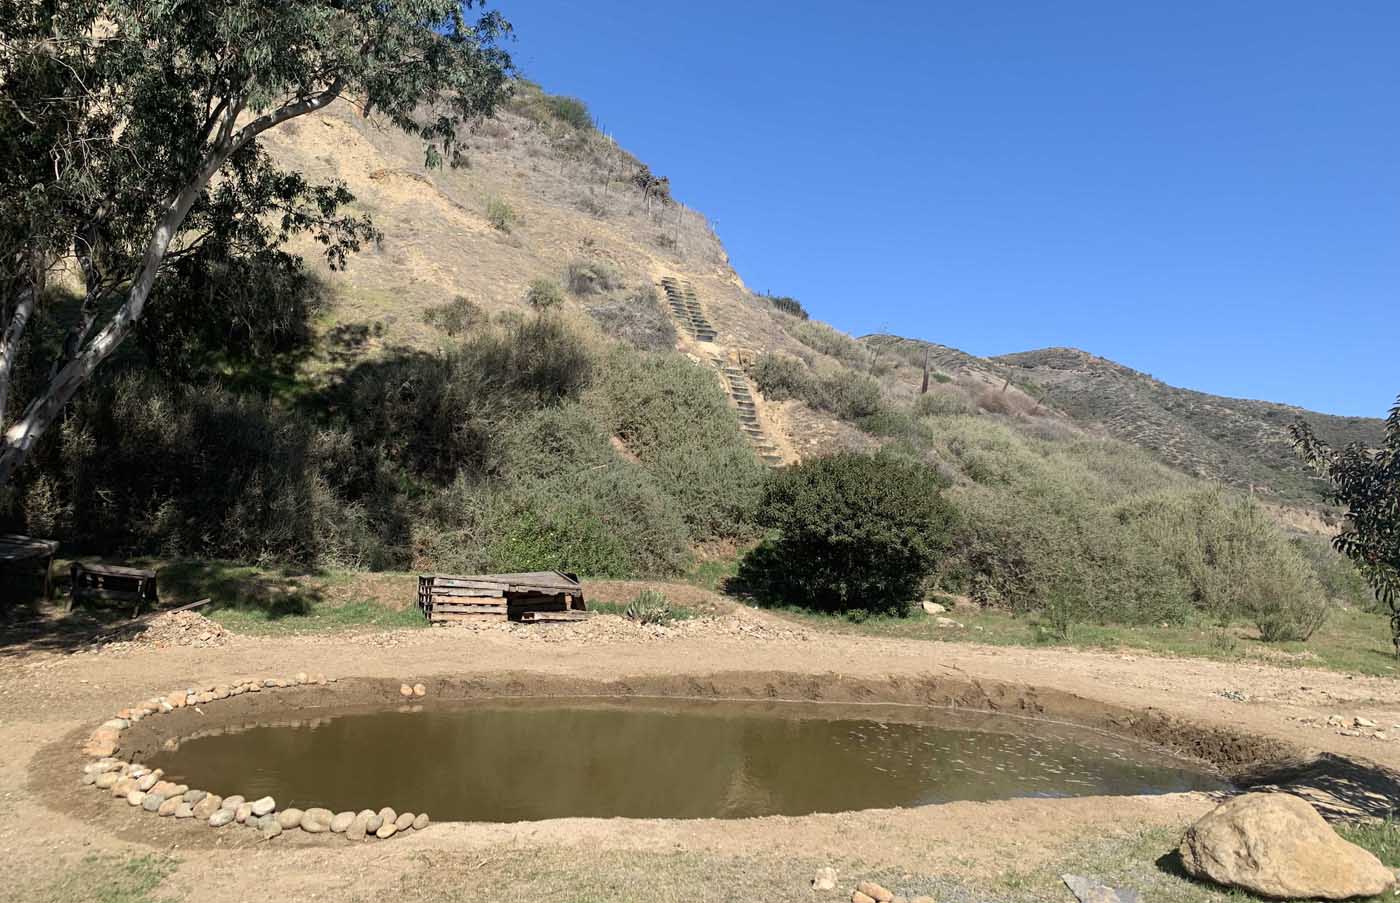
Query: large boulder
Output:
(1276,845)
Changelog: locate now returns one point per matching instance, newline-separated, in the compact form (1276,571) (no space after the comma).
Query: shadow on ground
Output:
(29,623)
(1341,788)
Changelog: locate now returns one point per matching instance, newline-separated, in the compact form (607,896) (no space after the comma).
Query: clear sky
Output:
(1208,192)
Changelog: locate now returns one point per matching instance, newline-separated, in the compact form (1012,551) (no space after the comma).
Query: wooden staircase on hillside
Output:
(741,394)
(685,307)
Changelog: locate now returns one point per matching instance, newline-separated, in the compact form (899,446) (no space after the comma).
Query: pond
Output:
(522,760)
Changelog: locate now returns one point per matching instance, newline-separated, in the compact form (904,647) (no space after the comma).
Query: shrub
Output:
(439,414)
(853,532)
(571,111)
(544,294)
(649,607)
(455,317)
(780,377)
(499,214)
(671,414)
(592,206)
(591,277)
(847,394)
(637,320)
(790,306)
(822,338)
(941,401)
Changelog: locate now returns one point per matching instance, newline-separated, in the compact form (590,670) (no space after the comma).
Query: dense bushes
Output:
(455,317)
(853,533)
(1089,530)
(591,277)
(838,390)
(673,417)
(790,306)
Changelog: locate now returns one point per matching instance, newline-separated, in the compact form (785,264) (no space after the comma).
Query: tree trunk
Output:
(9,347)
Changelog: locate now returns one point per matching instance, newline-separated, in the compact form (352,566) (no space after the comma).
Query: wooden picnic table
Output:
(109,581)
(16,548)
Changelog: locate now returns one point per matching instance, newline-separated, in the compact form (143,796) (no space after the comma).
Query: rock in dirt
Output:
(176,628)
(933,608)
(374,823)
(860,897)
(221,818)
(421,821)
(359,827)
(184,810)
(107,780)
(194,796)
(875,892)
(341,823)
(243,813)
(208,806)
(170,806)
(271,829)
(1276,845)
(824,880)
(264,806)
(136,797)
(233,802)
(386,830)
(316,821)
(405,690)
(1092,892)
(404,821)
(153,802)
(389,814)
(289,818)
(420,690)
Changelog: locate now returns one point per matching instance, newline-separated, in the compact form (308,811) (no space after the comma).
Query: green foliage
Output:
(544,294)
(591,277)
(438,414)
(569,110)
(648,608)
(456,317)
(1341,580)
(839,391)
(853,532)
(499,214)
(637,320)
(790,306)
(187,90)
(1367,482)
(1085,530)
(822,338)
(672,416)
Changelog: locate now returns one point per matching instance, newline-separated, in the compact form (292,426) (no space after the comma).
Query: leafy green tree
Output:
(854,533)
(129,133)
(1367,482)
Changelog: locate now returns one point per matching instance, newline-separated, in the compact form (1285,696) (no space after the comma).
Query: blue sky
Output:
(1208,192)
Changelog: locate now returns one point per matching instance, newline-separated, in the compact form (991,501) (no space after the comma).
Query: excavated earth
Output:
(51,701)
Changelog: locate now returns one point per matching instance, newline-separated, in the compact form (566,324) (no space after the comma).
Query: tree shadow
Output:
(35,624)
(1339,787)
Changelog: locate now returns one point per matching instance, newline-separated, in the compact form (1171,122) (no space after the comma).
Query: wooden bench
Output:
(15,548)
(110,582)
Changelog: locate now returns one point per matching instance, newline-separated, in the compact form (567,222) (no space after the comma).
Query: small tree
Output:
(129,144)
(854,533)
(1367,482)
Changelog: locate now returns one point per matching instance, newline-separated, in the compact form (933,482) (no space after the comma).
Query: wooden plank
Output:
(468,610)
(467,593)
(112,570)
(539,617)
(116,595)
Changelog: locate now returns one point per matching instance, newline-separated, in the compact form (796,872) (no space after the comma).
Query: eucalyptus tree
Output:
(1367,482)
(129,145)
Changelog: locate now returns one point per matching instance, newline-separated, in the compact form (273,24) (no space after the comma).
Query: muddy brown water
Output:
(523,760)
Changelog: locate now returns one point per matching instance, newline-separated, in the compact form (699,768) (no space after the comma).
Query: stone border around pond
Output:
(146,790)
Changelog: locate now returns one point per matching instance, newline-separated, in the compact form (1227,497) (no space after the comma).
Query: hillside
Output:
(573,197)
(1239,442)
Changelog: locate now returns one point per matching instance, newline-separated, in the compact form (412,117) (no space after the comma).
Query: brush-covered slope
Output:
(1235,441)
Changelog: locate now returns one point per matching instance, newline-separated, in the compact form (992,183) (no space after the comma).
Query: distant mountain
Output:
(1236,441)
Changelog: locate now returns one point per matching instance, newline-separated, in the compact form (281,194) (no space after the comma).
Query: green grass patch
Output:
(1351,641)
(1381,837)
(321,618)
(111,879)
(678,612)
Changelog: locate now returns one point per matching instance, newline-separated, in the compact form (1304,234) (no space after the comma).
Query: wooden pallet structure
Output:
(539,597)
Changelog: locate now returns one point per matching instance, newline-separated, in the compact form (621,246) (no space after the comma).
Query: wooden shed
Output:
(536,597)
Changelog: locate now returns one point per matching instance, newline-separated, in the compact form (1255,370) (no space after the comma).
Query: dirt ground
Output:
(53,830)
